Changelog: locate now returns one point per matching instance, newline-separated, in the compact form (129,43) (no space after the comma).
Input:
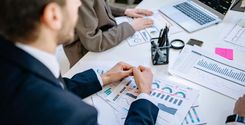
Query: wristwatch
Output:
(235,118)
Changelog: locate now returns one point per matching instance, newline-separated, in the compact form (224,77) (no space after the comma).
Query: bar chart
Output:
(170,98)
(108,91)
(194,117)
(221,70)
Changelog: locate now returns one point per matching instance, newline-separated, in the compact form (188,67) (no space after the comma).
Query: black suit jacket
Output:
(31,95)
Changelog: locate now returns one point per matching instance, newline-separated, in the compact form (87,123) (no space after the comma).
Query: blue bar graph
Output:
(171,99)
(221,70)
(131,95)
(175,101)
(193,117)
(162,96)
(167,109)
(167,98)
(180,102)
(108,91)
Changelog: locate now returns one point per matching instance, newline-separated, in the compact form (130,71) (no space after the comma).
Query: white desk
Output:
(215,107)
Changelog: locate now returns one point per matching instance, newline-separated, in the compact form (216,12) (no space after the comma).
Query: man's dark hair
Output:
(19,19)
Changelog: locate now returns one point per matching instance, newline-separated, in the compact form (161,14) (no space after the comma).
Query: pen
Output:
(166,36)
(160,35)
(163,37)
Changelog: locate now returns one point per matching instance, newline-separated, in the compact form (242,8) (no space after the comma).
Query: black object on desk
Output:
(193,42)
(237,6)
(160,47)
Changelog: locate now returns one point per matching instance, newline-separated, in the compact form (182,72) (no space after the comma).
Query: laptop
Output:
(193,15)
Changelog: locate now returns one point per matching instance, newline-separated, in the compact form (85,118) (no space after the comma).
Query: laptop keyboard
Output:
(194,13)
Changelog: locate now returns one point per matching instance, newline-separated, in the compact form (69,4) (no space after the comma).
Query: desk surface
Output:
(215,107)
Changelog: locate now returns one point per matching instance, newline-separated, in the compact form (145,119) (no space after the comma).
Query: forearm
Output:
(117,11)
(84,84)
(97,40)
(142,112)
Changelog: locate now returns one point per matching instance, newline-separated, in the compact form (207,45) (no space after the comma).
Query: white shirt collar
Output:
(47,59)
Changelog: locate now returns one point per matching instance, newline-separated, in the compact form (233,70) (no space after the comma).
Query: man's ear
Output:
(52,16)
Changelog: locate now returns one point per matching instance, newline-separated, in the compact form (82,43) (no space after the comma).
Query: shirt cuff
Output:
(99,78)
(235,123)
(147,97)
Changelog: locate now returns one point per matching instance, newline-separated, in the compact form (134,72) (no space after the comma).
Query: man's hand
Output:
(143,77)
(137,13)
(120,71)
(141,23)
(240,106)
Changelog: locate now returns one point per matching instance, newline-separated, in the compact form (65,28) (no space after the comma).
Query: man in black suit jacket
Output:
(31,91)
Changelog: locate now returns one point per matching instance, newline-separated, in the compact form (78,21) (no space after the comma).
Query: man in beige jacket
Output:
(97,30)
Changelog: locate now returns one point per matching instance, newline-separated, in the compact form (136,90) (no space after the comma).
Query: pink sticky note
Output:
(224,52)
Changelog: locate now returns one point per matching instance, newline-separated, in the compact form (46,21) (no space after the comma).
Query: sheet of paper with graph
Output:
(236,35)
(143,36)
(211,71)
(194,116)
(173,100)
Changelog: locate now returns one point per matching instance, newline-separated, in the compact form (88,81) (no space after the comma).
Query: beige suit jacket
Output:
(96,29)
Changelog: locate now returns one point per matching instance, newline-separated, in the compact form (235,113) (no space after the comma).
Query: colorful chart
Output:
(194,117)
(174,101)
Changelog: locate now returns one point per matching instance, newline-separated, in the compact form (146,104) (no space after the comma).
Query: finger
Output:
(131,74)
(136,72)
(243,98)
(126,73)
(148,22)
(125,66)
(138,15)
(149,13)
(141,68)
(238,101)
(235,110)
(144,12)
(235,107)
(137,75)
(148,25)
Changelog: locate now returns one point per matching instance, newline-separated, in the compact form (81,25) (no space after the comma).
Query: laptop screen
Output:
(221,6)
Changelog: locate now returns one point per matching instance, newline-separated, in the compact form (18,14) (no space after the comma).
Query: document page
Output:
(211,71)
(173,100)
(144,36)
